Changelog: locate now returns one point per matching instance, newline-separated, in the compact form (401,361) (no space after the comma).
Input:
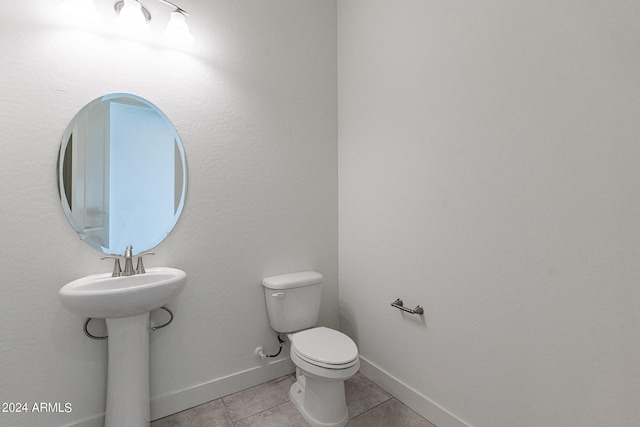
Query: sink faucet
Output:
(128,262)
(140,267)
(117,271)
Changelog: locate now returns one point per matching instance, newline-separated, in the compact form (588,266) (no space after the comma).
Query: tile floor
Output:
(268,404)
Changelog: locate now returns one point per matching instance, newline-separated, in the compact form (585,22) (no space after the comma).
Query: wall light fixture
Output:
(132,16)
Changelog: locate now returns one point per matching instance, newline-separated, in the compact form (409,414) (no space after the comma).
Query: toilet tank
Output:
(293,300)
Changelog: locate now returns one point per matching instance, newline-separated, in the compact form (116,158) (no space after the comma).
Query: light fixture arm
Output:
(178,8)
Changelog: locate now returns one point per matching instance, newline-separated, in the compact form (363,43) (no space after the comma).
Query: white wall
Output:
(255,104)
(488,170)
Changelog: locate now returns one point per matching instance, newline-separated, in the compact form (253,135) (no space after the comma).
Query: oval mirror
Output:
(122,174)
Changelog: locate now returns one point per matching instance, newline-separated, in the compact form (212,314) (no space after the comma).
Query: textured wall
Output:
(255,104)
(488,170)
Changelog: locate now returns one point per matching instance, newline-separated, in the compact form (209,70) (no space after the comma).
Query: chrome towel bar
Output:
(399,304)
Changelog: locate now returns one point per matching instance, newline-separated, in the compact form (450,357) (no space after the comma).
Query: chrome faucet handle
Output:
(140,267)
(128,263)
(117,271)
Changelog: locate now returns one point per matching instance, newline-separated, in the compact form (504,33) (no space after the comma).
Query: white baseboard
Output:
(171,403)
(409,396)
(180,400)
(95,421)
(177,401)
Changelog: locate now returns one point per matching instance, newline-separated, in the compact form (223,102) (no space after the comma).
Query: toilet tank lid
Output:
(292,280)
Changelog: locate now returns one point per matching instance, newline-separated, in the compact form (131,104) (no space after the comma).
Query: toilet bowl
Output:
(324,358)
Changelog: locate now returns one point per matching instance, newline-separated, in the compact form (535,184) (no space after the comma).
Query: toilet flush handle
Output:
(278,294)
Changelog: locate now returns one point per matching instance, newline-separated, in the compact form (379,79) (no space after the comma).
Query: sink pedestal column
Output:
(128,372)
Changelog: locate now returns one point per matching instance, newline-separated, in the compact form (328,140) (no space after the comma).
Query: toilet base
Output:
(325,404)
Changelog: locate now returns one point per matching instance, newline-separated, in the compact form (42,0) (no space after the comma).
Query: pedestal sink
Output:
(125,303)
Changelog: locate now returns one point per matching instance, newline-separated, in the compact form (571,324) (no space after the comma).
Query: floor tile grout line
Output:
(373,407)
(275,381)
(257,413)
(227,410)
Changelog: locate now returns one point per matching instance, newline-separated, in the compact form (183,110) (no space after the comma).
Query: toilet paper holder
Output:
(400,305)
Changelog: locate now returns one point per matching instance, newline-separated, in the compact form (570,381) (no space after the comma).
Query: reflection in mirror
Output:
(122,174)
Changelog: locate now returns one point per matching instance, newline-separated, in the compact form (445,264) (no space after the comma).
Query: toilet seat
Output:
(325,348)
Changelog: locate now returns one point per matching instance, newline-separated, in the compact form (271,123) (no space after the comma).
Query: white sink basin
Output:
(125,303)
(103,296)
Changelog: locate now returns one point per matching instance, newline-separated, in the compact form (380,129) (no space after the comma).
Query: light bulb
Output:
(131,17)
(80,10)
(177,29)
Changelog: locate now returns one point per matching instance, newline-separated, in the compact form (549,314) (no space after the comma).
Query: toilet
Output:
(324,358)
